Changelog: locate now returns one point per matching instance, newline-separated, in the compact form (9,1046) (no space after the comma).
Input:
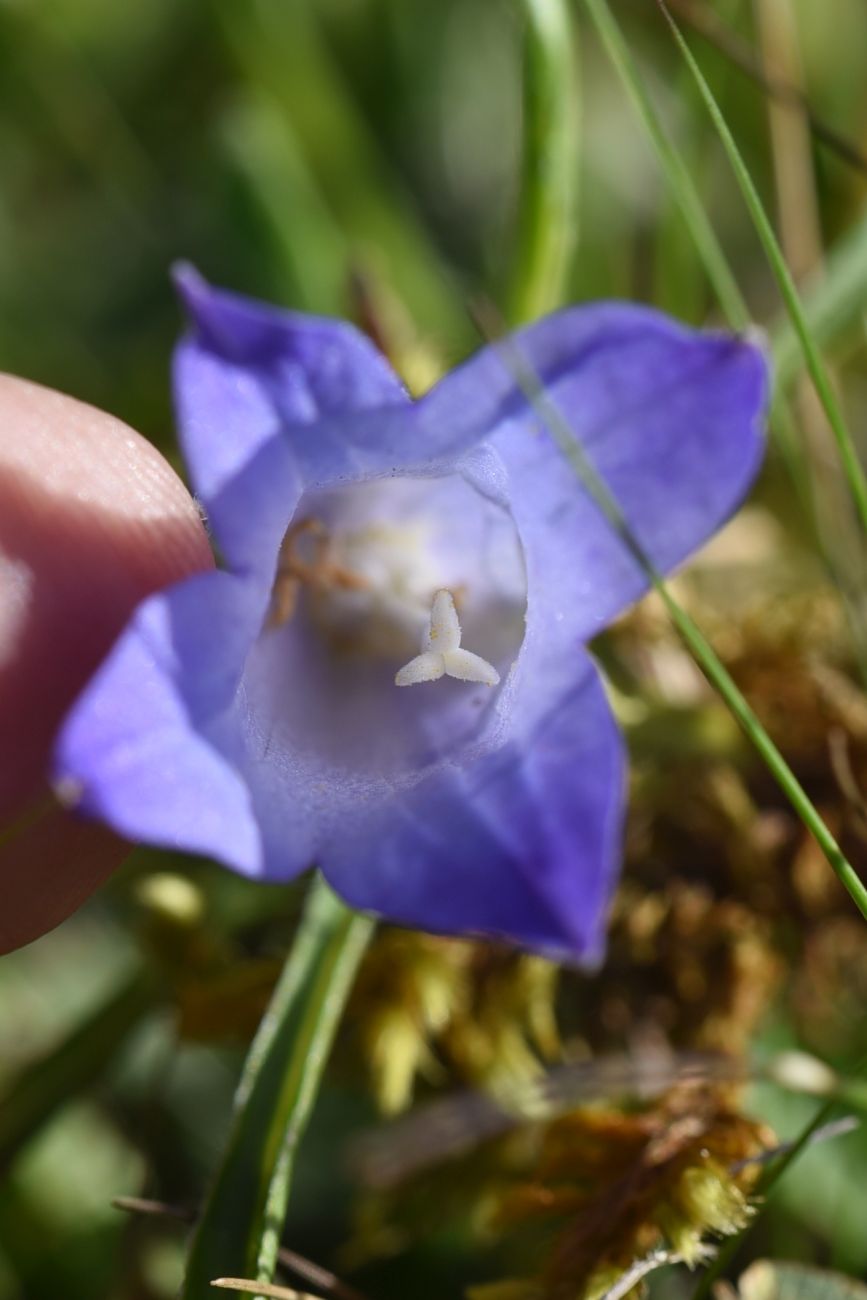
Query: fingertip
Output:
(92,519)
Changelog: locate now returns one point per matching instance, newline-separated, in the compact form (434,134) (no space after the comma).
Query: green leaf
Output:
(239,1230)
(826,310)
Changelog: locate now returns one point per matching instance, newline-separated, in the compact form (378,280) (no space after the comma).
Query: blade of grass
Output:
(829,311)
(714,29)
(243,1216)
(549,176)
(792,168)
(700,649)
(852,467)
(834,304)
(685,194)
(801,242)
(680,181)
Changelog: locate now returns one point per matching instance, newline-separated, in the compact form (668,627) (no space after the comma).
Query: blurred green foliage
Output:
(282,146)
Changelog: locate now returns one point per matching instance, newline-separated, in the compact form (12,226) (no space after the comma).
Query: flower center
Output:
(397,573)
(369,589)
(371,578)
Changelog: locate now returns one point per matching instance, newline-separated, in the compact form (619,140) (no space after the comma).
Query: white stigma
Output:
(441,652)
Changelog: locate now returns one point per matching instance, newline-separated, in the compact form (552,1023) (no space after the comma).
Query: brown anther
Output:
(320,573)
(284,599)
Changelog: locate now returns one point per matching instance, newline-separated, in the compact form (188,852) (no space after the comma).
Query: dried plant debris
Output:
(684,967)
(616,1187)
(578,1200)
(829,988)
(448,1010)
(727,906)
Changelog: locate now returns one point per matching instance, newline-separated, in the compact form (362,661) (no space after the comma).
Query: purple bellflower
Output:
(388,676)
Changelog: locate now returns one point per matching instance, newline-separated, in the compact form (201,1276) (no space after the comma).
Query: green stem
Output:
(852,467)
(549,189)
(239,1231)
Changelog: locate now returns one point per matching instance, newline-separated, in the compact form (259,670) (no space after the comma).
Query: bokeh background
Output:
(364,158)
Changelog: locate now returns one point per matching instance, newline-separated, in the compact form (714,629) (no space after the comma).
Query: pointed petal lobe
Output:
(243,375)
(146,746)
(522,843)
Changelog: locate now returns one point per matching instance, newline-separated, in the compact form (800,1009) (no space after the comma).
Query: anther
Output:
(320,572)
(442,654)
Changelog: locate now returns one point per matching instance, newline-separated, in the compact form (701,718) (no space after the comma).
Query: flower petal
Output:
(673,423)
(145,746)
(521,842)
(243,375)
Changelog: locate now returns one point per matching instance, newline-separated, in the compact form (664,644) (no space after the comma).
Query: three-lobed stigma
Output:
(442,654)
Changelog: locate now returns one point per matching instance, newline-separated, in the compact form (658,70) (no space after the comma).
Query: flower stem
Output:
(242,1220)
(549,175)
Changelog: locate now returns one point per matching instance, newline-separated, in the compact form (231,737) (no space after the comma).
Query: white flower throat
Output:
(377,590)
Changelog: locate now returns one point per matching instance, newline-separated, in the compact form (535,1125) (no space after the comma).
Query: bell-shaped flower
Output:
(388,677)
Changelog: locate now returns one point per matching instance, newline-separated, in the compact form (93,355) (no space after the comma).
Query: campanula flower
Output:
(388,675)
